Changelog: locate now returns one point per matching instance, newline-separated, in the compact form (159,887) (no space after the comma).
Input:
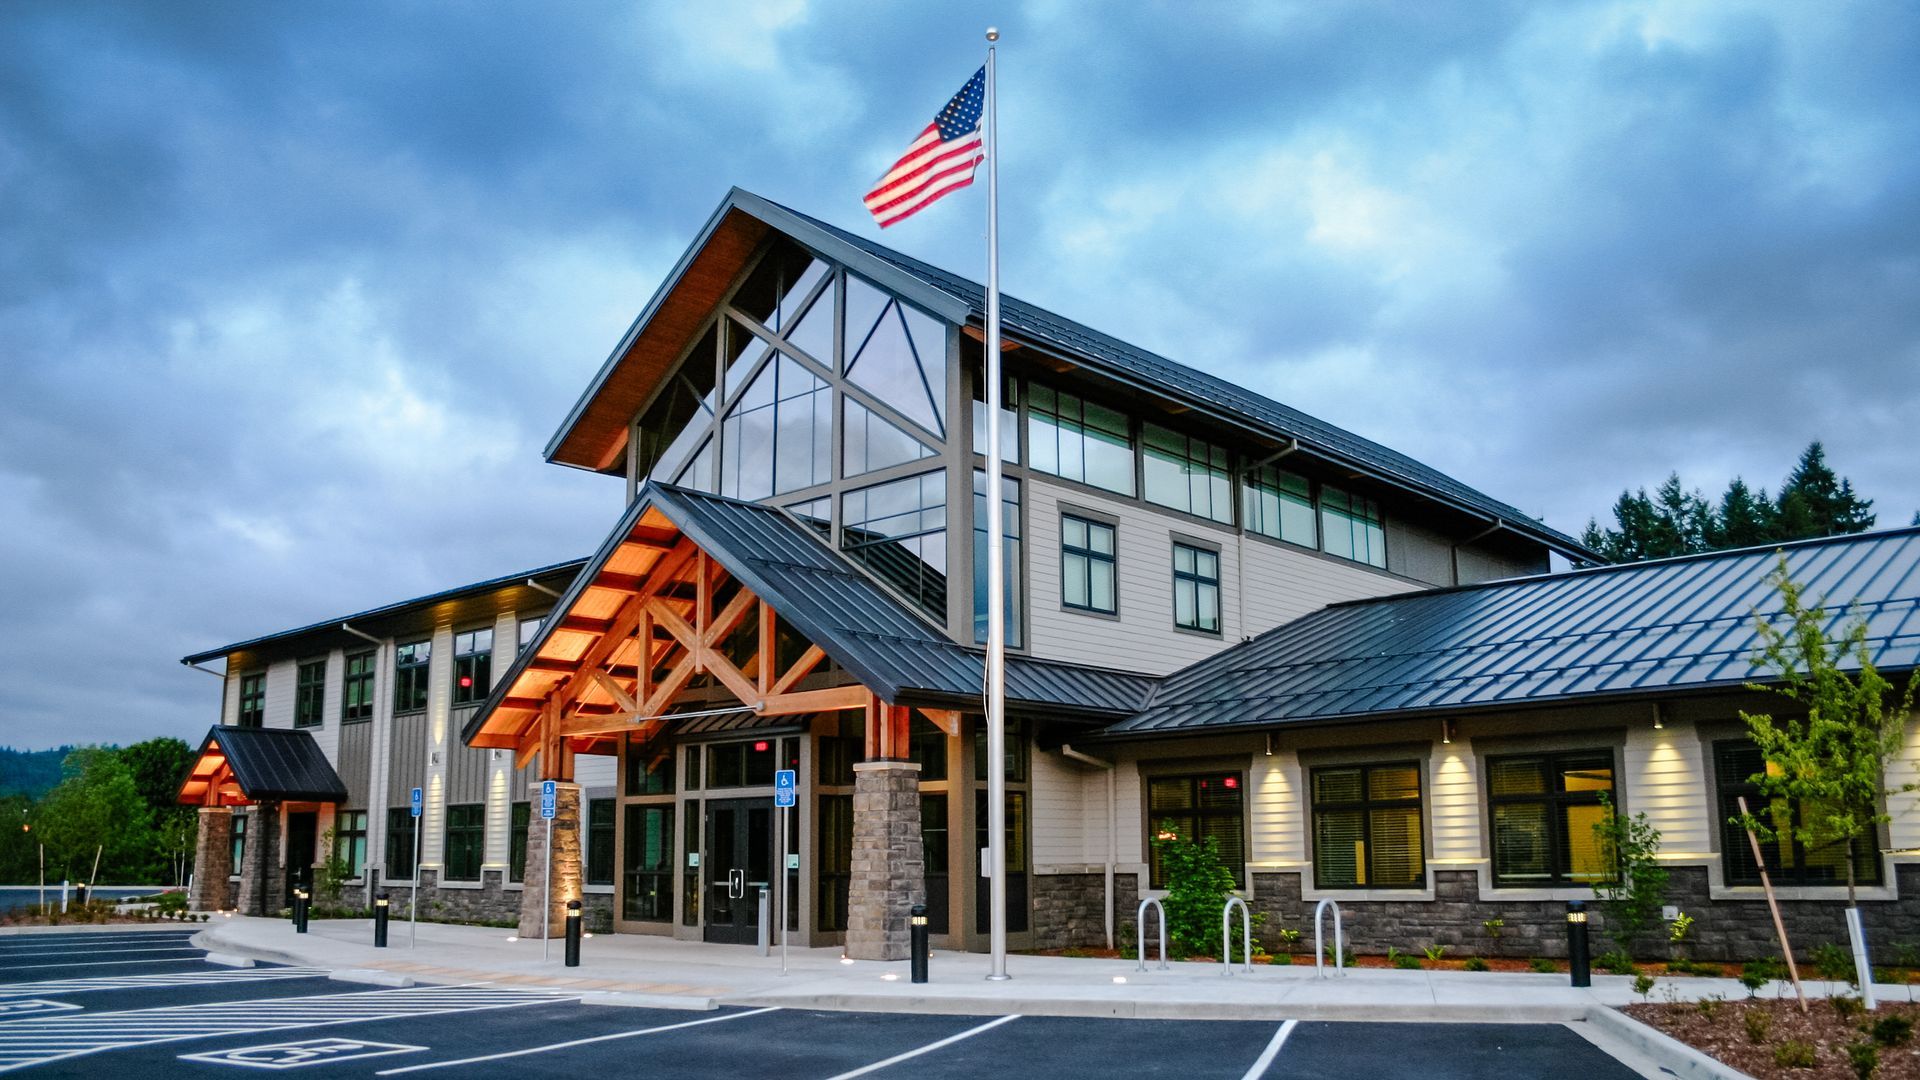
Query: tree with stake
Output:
(1830,764)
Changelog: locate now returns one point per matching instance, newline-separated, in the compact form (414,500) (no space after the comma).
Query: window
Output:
(834,873)
(1009,554)
(1366,828)
(677,423)
(350,840)
(1544,809)
(1009,413)
(466,839)
(777,435)
(600,841)
(1016,748)
(872,443)
(410,663)
(1202,807)
(472,666)
(1187,474)
(239,838)
(1076,439)
(356,688)
(648,896)
(400,833)
(898,530)
(1350,527)
(1280,504)
(1087,565)
(649,771)
(529,628)
(520,816)
(1196,588)
(898,354)
(309,694)
(253,700)
(1789,862)
(741,764)
(929,745)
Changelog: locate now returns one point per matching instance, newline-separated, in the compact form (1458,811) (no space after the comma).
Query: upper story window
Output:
(1079,440)
(1010,555)
(872,443)
(1280,504)
(529,629)
(309,694)
(1350,527)
(1196,809)
(1009,418)
(1544,809)
(1366,827)
(674,428)
(1187,474)
(1789,862)
(898,530)
(777,436)
(781,292)
(1196,588)
(356,687)
(253,700)
(410,663)
(472,665)
(1088,565)
(898,354)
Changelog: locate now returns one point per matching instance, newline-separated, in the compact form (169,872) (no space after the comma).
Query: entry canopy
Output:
(241,766)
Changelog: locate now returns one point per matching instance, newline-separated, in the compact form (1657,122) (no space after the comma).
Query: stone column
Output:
(212,859)
(568,872)
(260,862)
(889,865)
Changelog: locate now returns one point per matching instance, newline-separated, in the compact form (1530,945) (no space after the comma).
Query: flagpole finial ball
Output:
(993,33)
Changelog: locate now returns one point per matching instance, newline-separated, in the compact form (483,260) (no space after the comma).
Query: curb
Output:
(650,1001)
(371,977)
(955,1005)
(1672,1055)
(233,960)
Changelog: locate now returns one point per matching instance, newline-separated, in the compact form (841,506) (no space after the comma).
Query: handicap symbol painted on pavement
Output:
(293,1055)
(28,1006)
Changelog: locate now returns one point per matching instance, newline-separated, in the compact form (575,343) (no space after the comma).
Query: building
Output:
(1227,617)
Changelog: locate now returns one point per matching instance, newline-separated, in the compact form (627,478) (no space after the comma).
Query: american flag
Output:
(940,160)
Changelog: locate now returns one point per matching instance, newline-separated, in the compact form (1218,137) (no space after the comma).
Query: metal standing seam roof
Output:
(862,627)
(275,764)
(1684,623)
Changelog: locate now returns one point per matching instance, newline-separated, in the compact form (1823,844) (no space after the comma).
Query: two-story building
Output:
(1227,619)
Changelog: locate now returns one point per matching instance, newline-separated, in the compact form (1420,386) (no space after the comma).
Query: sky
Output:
(292,296)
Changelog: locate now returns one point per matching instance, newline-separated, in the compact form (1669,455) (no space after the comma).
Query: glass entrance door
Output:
(738,864)
(302,828)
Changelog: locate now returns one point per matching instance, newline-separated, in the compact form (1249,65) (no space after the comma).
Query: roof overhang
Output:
(243,766)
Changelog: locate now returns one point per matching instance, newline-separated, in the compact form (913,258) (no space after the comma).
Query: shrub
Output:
(1282,959)
(1474,963)
(1617,961)
(1493,927)
(1794,1054)
(1346,954)
(1833,963)
(1405,961)
(171,901)
(1542,965)
(1643,985)
(1864,1056)
(1892,1030)
(1709,1006)
(1198,884)
(1434,952)
(1759,1022)
(1848,1007)
(1633,899)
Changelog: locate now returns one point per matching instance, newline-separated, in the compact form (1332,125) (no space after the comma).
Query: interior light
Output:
(760,747)
(466,682)
(1231,782)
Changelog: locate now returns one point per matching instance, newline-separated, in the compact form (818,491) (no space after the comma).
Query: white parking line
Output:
(578,1042)
(57,987)
(1265,1060)
(99,963)
(42,950)
(927,1049)
(43,941)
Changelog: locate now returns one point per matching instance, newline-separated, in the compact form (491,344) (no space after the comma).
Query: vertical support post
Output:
(1577,958)
(380,914)
(996,718)
(546,903)
(918,945)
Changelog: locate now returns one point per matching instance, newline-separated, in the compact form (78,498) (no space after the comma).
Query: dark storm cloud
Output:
(291,298)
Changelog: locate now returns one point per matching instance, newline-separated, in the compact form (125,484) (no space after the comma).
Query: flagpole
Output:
(996,571)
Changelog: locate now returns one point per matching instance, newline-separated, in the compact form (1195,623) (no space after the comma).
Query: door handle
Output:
(736,884)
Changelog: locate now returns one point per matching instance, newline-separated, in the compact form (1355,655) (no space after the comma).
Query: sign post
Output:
(549,804)
(416,803)
(784,797)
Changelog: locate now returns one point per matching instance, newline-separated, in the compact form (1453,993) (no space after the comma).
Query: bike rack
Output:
(1140,924)
(1246,935)
(1339,941)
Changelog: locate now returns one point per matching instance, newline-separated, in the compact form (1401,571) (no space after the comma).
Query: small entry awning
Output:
(241,766)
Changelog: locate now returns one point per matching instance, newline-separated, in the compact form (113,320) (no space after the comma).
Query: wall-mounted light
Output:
(1446,731)
(1270,741)
(433,758)
(1659,717)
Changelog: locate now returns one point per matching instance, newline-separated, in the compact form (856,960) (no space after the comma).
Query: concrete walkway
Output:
(634,969)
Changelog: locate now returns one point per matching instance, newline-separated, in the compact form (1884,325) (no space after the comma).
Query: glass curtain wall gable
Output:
(1186,473)
(780,286)
(1077,439)
(1010,557)
(1279,504)
(681,416)
(898,353)
(776,435)
(898,530)
(871,443)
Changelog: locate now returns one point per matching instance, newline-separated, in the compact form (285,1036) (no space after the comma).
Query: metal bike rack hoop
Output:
(1246,936)
(1339,941)
(1140,924)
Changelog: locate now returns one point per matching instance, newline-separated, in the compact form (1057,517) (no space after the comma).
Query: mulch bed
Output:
(1721,1032)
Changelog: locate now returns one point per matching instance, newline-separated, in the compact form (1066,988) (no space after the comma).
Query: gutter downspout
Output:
(536,586)
(361,634)
(1113,835)
(208,671)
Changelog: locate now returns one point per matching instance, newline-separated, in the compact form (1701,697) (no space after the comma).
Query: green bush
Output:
(1794,1054)
(1643,985)
(1435,952)
(1758,1022)
(1616,961)
(1474,963)
(1892,1030)
(1848,1007)
(1405,961)
(1543,965)
(1864,1056)
(172,901)
(1832,962)
(1198,885)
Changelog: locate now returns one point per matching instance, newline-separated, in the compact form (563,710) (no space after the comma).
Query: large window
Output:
(1544,809)
(239,849)
(1196,588)
(898,354)
(1079,440)
(1350,527)
(309,693)
(253,700)
(466,841)
(1280,504)
(1187,474)
(741,764)
(676,424)
(600,841)
(649,771)
(835,862)
(519,818)
(1088,567)
(1366,827)
(472,665)
(1202,807)
(778,434)
(1789,862)
(529,629)
(410,663)
(1010,555)
(350,840)
(898,530)
(356,688)
(400,832)
(872,443)
(648,895)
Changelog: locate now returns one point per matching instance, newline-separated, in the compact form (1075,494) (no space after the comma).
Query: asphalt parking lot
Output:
(137,1004)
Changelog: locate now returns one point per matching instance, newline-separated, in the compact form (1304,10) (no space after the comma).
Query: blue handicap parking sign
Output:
(416,802)
(549,799)
(783,793)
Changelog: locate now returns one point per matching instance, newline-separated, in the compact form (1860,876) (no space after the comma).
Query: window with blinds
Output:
(1544,809)
(1366,827)
(1789,862)
(1201,807)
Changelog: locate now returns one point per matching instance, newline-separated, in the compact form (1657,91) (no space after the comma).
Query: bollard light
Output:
(380,921)
(573,933)
(1577,961)
(917,939)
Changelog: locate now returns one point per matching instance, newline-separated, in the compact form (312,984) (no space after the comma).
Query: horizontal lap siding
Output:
(280,679)
(1277,815)
(1904,806)
(1060,811)
(1667,781)
(1454,804)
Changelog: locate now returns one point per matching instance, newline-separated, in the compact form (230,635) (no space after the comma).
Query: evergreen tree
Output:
(1815,502)
(1744,518)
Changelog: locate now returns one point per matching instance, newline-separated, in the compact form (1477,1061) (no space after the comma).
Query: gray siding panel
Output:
(407,765)
(356,762)
(466,767)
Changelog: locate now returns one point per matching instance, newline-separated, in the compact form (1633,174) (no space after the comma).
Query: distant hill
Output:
(30,772)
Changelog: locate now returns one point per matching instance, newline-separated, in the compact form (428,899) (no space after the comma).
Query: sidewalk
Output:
(640,970)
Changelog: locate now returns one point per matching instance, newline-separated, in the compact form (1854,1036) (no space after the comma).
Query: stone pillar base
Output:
(568,872)
(889,865)
(212,859)
(262,878)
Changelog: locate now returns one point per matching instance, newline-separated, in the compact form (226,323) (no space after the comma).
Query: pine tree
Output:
(1815,502)
(1744,518)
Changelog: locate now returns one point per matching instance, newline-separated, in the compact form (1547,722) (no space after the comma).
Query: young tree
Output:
(1633,897)
(96,808)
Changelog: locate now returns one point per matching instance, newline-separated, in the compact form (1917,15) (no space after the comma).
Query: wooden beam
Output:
(583,625)
(806,701)
(947,720)
(801,669)
(763,675)
(615,691)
